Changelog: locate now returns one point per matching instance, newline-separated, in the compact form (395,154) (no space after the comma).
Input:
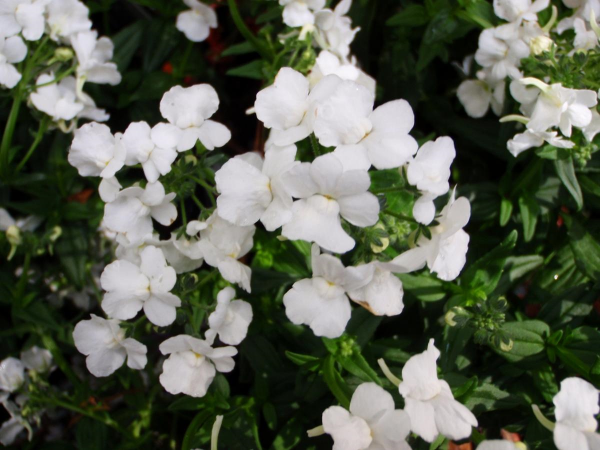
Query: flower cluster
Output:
(549,111)
(59,37)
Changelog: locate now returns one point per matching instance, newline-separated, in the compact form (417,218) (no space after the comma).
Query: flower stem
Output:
(317,431)
(243,29)
(38,138)
(388,373)
(9,130)
(214,434)
(541,418)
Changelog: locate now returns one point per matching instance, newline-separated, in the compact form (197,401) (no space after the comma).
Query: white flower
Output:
(196,22)
(518,10)
(106,347)
(230,320)
(25,16)
(222,244)
(590,131)
(382,295)
(560,106)
(497,444)
(584,39)
(29,223)
(346,120)
(373,422)
(58,100)
(446,252)
(252,189)
(37,359)
(67,17)
(12,50)
(329,64)
(583,11)
(529,139)
(134,208)
(13,426)
(182,254)
(334,29)
(12,374)
(155,149)
(576,405)
(129,288)
(326,191)
(429,401)
(93,56)
(297,13)
(95,152)
(189,109)
(477,96)
(321,302)
(502,57)
(429,171)
(191,367)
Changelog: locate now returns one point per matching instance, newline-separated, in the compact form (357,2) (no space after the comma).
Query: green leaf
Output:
(72,252)
(254,70)
(357,365)
(589,185)
(585,247)
(529,208)
(92,435)
(566,172)
(335,382)
(488,397)
(528,339)
(160,40)
(302,360)
(506,209)
(413,15)
(239,49)
(545,381)
(423,286)
(127,41)
(193,428)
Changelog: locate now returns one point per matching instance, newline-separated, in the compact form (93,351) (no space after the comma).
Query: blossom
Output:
(134,208)
(590,131)
(584,39)
(154,148)
(501,56)
(297,13)
(28,223)
(67,17)
(189,109)
(373,422)
(518,10)
(334,29)
(95,152)
(329,64)
(528,139)
(497,444)
(12,374)
(106,347)
(252,189)
(24,16)
(93,56)
(429,171)
(445,253)
(11,428)
(182,254)
(222,244)
(346,119)
(196,22)
(560,106)
(321,301)
(477,96)
(190,368)
(130,288)
(327,192)
(583,11)
(12,50)
(37,359)
(57,99)
(429,401)
(576,405)
(382,295)
(230,319)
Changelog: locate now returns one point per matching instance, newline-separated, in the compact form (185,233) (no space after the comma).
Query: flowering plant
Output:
(275,225)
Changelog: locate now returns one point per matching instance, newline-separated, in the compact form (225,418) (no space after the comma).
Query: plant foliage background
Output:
(530,282)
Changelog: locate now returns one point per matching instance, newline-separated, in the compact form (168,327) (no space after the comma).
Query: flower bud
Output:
(55,233)
(449,318)
(385,240)
(191,159)
(506,346)
(13,234)
(63,54)
(540,44)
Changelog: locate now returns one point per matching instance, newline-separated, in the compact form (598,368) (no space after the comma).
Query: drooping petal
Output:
(348,432)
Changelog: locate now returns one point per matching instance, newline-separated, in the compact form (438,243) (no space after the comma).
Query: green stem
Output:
(9,130)
(66,73)
(315,145)
(61,362)
(243,29)
(22,284)
(186,57)
(183,214)
(209,189)
(399,216)
(198,202)
(391,189)
(38,138)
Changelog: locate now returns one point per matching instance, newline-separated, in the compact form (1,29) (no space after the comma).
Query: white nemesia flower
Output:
(24,16)
(222,244)
(429,401)
(446,252)
(297,13)
(130,288)
(12,374)
(327,192)
(519,10)
(329,64)
(529,139)
(576,405)
(254,189)
(230,320)
(13,426)
(502,57)
(382,295)
(189,109)
(29,223)
(477,96)
(591,130)
(155,148)
(134,208)
(106,347)
(182,254)
(12,50)
(429,171)
(584,39)
(497,444)
(334,29)
(58,100)
(95,152)
(373,422)
(196,22)
(37,359)
(67,17)
(191,365)
(346,120)
(321,301)
(583,11)
(93,57)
